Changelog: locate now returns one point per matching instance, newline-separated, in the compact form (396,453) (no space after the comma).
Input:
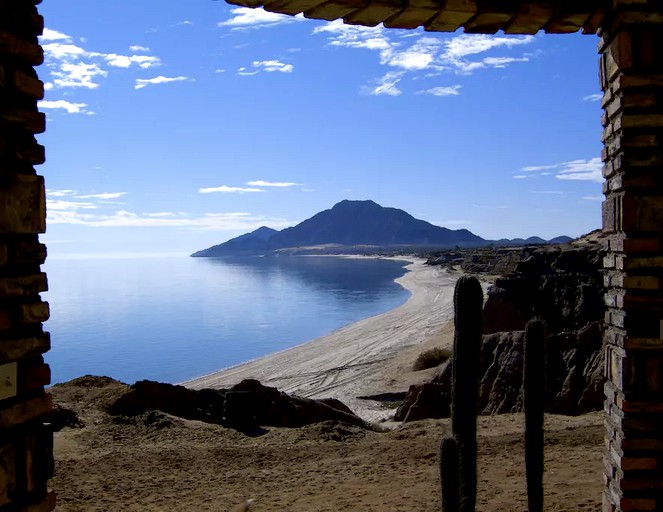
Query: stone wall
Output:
(26,458)
(631,75)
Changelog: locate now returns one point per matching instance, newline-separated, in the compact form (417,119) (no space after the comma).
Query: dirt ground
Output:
(157,462)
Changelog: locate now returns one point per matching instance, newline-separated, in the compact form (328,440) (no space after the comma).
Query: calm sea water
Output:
(172,319)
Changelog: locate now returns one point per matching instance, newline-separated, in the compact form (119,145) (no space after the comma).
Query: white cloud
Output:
(60,193)
(72,66)
(472,44)
(138,48)
(77,74)
(386,85)
(453,90)
(593,198)
(103,195)
(278,184)
(574,170)
(584,170)
(71,108)
(432,55)
(245,17)
(185,23)
(59,205)
(593,97)
(229,190)
(144,82)
(534,168)
(53,35)
(268,66)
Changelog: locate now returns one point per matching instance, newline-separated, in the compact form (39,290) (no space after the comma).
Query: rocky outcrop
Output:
(245,406)
(562,285)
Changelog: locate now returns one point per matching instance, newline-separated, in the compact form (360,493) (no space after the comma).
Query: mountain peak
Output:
(348,223)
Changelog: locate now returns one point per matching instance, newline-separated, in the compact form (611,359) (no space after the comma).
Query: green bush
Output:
(431,358)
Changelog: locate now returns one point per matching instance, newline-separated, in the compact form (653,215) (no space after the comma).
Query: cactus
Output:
(534,389)
(449,474)
(468,304)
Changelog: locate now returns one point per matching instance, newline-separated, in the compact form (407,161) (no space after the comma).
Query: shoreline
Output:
(361,358)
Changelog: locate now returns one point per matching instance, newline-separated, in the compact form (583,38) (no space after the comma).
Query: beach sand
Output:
(368,357)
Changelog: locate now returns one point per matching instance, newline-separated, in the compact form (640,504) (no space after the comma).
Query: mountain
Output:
(348,223)
(560,240)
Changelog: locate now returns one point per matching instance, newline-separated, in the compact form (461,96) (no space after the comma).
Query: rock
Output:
(61,417)
(204,405)
(244,407)
(271,407)
(564,286)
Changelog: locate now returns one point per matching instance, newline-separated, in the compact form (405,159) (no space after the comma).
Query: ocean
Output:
(175,318)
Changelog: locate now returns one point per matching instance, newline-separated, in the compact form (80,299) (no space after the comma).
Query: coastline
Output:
(367,357)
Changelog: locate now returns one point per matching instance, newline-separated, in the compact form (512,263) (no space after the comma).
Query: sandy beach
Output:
(368,357)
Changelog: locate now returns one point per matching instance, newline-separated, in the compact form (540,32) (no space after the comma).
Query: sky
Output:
(173,126)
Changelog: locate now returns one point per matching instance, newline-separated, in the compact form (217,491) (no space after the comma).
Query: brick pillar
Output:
(631,74)
(26,455)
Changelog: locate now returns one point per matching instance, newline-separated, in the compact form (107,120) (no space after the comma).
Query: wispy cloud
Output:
(422,53)
(72,66)
(386,85)
(60,193)
(452,90)
(278,184)
(224,221)
(102,195)
(71,108)
(268,66)
(247,18)
(592,198)
(593,97)
(144,82)
(54,35)
(137,48)
(574,170)
(224,189)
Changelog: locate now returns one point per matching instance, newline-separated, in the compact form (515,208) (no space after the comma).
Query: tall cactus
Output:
(468,304)
(534,390)
(449,474)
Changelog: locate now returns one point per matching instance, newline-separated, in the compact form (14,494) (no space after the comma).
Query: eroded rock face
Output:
(246,405)
(562,285)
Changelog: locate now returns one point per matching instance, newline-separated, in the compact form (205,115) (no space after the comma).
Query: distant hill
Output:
(348,223)
(355,226)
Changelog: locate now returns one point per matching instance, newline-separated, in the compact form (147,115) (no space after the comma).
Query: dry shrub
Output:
(431,358)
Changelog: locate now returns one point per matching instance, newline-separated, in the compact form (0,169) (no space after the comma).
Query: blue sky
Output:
(173,126)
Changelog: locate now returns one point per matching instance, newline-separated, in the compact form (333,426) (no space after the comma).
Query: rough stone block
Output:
(31,121)
(7,472)
(23,286)
(25,411)
(23,348)
(29,52)
(22,204)
(28,85)
(33,376)
(33,313)
(46,505)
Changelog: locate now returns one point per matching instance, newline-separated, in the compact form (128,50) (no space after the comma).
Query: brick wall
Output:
(631,75)
(26,457)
